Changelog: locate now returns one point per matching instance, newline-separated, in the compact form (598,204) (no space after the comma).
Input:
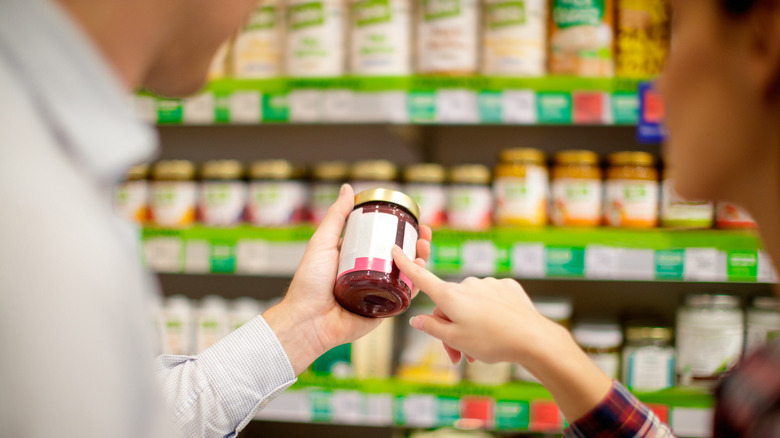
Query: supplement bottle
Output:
(425,185)
(374,174)
(448,37)
(278,196)
(643,37)
(173,194)
(257,51)
(631,199)
(372,355)
(581,38)
(243,310)
(211,322)
(223,193)
(730,216)
(369,283)
(601,342)
(521,188)
(328,178)
(132,195)
(576,189)
(677,212)
(469,198)
(514,38)
(176,325)
(381,38)
(763,323)
(648,358)
(316,38)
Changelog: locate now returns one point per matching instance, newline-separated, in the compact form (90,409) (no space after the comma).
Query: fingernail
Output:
(397,249)
(343,189)
(413,323)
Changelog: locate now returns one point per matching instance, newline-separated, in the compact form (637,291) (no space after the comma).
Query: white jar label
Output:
(676,211)
(276,203)
(323,195)
(631,203)
(522,201)
(432,200)
(448,36)
(515,38)
(576,202)
(315,38)
(257,49)
(469,207)
(368,243)
(130,200)
(608,363)
(173,203)
(222,202)
(758,335)
(648,368)
(381,37)
(707,351)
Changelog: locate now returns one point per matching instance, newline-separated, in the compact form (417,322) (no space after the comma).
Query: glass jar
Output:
(425,184)
(223,193)
(374,174)
(488,374)
(315,38)
(576,189)
(369,283)
(631,199)
(469,198)
(731,216)
(328,178)
(558,309)
(257,49)
(448,37)
(514,38)
(763,323)
(677,212)
(521,188)
(710,335)
(601,342)
(173,194)
(131,196)
(581,38)
(381,38)
(278,196)
(648,358)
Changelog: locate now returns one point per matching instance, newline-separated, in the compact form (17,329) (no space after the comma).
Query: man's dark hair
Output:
(738,7)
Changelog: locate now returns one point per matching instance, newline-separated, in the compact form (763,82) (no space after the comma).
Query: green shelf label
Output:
(422,106)
(169,111)
(321,409)
(512,415)
(490,107)
(670,264)
(554,108)
(565,262)
(276,108)
(742,266)
(448,411)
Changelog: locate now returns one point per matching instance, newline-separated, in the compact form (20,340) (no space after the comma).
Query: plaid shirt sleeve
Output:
(620,414)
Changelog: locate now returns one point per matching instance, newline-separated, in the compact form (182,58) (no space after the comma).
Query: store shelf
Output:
(422,100)
(554,253)
(515,406)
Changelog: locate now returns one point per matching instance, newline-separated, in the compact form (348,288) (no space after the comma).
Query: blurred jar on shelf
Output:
(174,194)
(278,196)
(710,336)
(257,51)
(577,189)
(211,322)
(219,67)
(425,185)
(223,193)
(581,38)
(131,196)
(601,342)
(469,198)
(328,179)
(643,37)
(315,38)
(648,358)
(243,310)
(731,216)
(488,374)
(677,212)
(374,174)
(380,37)
(521,188)
(631,199)
(514,38)
(372,355)
(176,326)
(763,323)
(448,37)
(423,360)
(558,309)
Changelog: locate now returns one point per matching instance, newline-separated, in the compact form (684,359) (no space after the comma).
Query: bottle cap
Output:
(387,195)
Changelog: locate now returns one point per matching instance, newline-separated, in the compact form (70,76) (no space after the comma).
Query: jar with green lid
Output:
(425,184)
(374,174)
(469,198)
(278,194)
(328,178)
(131,196)
(601,341)
(223,193)
(521,188)
(174,194)
(648,358)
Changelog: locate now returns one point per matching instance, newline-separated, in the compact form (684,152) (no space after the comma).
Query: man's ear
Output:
(764,47)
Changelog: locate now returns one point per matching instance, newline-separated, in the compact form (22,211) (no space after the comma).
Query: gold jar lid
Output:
(222,169)
(331,171)
(391,196)
(522,154)
(137,172)
(649,333)
(470,174)
(577,157)
(275,169)
(374,170)
(173,170)
(631,159)
(430,173)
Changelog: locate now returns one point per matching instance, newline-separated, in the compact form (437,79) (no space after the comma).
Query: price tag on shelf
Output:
(347,407)
(199,110)
(246,107)
(284,257)
(393,104)
(164,254)
(766,270)
(635,264)
(338,106)
(197,254)
(292,406)
(251,256)
(420,410)
(519,107)
(528,260)
(379,409)
(456,106)
(479,258)
(306,106)
(703,264)
(600,262)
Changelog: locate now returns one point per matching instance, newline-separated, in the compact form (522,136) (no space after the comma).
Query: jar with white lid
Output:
(374,174)
(710,335)
(257,50)
(425,184)
(278,196)
(648,358)
(328,178)
(601,342)
(514,38)
(316,38)
(381,37)
(448,37)
(763,323)
(558,309)
(223,193)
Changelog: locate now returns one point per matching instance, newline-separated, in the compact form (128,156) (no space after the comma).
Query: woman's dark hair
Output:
(738,7)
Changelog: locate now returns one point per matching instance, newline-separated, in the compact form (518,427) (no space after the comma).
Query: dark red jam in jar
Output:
(369,283)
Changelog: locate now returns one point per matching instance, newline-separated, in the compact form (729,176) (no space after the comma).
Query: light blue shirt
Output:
(74,331)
